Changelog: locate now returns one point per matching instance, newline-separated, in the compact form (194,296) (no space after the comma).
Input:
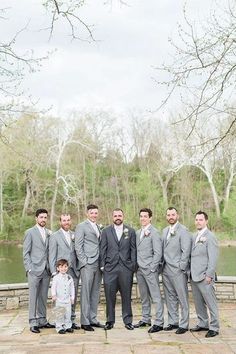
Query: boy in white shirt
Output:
(63,293)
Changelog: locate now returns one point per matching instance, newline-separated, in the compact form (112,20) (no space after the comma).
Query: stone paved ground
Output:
(15,337)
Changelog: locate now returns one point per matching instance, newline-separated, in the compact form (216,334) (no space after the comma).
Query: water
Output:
(12,270)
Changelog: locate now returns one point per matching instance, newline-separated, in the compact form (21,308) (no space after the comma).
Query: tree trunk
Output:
(228,187)
(1,203)
(28,192)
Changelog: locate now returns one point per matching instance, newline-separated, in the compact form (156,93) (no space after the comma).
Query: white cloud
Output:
(114,72)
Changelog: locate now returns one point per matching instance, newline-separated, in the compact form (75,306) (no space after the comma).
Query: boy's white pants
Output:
(63,316)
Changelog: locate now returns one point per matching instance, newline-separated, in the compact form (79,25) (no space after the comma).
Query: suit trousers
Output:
(149,290)
(38,294)
(63,316)
(76,284)
(91,278)
(119,279)
(204,297)
(176,293)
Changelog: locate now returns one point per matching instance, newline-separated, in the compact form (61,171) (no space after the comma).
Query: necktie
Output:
(67,236)
(95,227)
(43,234)
(169,234)
(142,234)
(198,237)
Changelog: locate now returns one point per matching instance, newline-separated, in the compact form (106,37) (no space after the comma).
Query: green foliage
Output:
(88,173)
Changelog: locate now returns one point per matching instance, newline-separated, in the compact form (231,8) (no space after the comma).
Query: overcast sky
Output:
(116,72)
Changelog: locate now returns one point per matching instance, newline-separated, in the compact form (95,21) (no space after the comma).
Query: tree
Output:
(203,70)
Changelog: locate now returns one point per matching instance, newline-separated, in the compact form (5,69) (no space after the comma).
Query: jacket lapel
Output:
(62,236)
(114,234)
(40,236)
(166,241)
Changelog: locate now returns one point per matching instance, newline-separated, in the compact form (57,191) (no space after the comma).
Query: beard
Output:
(118,222)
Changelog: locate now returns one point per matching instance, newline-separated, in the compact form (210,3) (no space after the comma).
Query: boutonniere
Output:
(101,227)
(49,233)
(73,237)
(126,233)
(147,233)
(202,239)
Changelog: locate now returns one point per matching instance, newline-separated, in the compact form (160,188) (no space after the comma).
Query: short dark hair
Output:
(92,206)
(200,212)
(40,211)
(64,214)
(146,210)
(61,262)
(117,209)
(172,208)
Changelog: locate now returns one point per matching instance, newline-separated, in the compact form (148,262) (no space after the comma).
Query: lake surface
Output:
(12,270)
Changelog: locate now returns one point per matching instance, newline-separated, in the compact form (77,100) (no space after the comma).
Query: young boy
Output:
(63,293)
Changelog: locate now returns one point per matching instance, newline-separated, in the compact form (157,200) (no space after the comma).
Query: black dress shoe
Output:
(211,333)
(34,329)
(75,326)
(129,326)
(108,325)
(47,325)
(155,328)
(142,324)
(62,331)
(98,325)
(87,328)
(198,329)
(181,330)
(170,327)
(69,330)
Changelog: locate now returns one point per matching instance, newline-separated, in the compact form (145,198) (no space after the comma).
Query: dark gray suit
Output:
(203,263)
(59,248)
(87,250)
(118,258)
(149,260)
(35,257)
(176,256)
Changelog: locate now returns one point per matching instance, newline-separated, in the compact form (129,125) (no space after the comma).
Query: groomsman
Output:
(62,246)
(203,267)
(149,260)
(177,243)
(87,238)
(118,263)
(35,257)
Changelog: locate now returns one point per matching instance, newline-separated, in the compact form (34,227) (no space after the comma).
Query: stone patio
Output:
(15,337)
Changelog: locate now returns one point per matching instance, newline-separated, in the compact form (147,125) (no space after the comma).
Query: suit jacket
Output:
(35,251)
(204,256)
(86,243)
(60,249)
(113,251)
(149,250)
(176,251)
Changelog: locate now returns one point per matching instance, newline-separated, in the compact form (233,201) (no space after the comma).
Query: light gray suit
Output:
(87,250)
(59,248)
(149,259)
(176,257)
(35,257)
(203,263)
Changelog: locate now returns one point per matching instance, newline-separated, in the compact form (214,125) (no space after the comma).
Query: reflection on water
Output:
(11,265)
(12,270)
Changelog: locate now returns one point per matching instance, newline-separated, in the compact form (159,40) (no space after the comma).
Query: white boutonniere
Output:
(101,227)
(49,233)
(126,232)
(202,239)
(147,233)
(73,237)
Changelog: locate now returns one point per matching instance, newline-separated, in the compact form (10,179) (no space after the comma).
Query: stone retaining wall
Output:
(16,295)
